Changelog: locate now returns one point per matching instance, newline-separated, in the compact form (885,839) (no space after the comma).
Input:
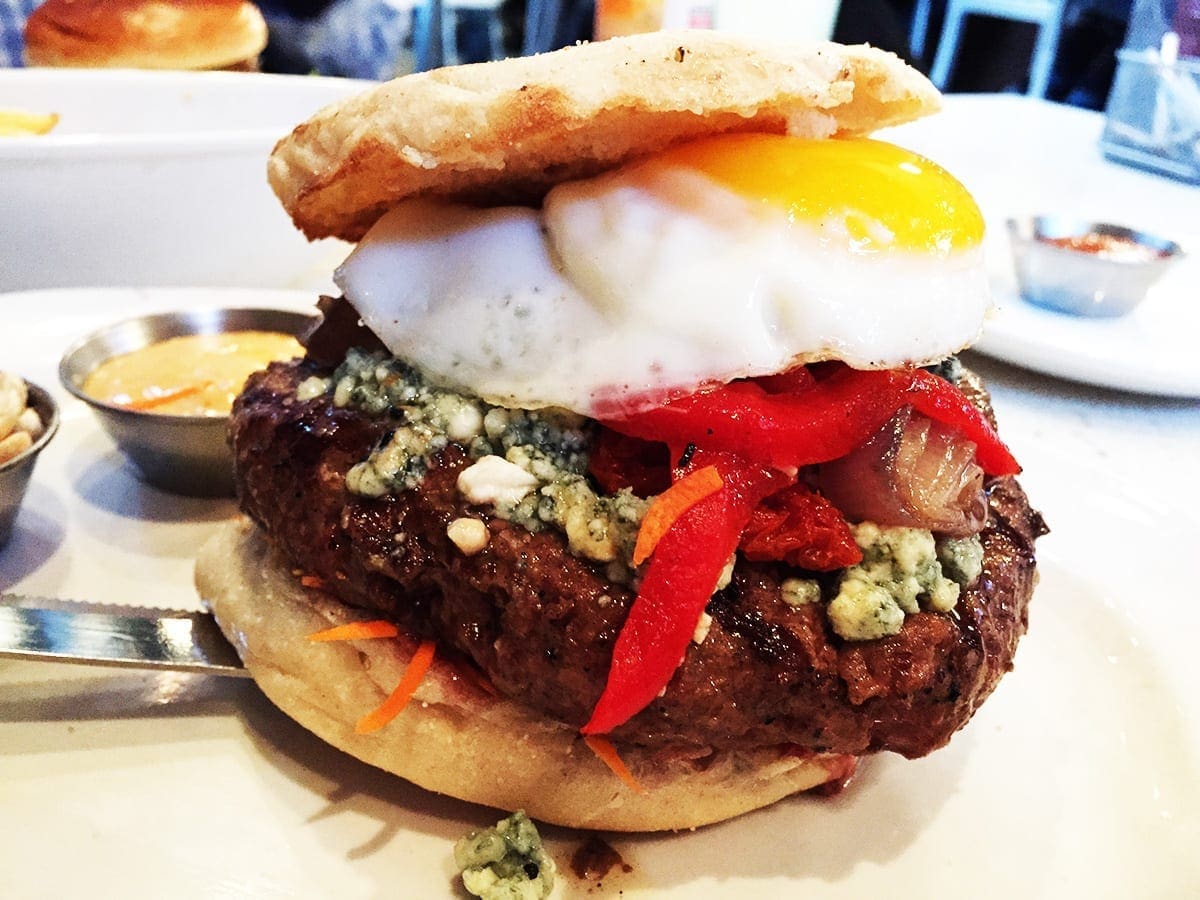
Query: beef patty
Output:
(540,623)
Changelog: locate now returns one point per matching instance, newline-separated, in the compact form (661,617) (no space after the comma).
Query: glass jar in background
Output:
(1152,118)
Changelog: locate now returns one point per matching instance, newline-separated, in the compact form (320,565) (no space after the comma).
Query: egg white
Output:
(627,286)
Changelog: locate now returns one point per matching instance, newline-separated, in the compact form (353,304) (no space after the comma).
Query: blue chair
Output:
(1046,14)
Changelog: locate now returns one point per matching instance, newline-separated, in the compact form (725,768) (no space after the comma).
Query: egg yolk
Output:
(882,196)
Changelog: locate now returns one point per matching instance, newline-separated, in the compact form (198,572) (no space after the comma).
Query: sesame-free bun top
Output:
(506,131)
(145,34)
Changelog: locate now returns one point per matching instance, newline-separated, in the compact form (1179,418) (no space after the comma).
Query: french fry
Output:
(20,122)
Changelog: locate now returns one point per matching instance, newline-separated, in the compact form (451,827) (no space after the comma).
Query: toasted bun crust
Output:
(145,34)
(508,130)
(454,737)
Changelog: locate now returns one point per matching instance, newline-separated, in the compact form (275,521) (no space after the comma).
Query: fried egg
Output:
(732,256)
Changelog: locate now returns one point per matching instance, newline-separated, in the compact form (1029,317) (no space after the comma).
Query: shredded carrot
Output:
(312,581)
(409,682)
(670,505)
(145,403)
(607,754)
(354,631)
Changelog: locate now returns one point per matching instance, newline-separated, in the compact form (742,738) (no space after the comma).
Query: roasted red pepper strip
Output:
(943,402)
(782,431)
(812,424)
(678,584)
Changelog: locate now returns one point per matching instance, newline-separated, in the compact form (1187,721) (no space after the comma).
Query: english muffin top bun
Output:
(499,133)
(146,34)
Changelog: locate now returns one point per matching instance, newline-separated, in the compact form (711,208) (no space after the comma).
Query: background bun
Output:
(508,130)
(146,34)
(455,738)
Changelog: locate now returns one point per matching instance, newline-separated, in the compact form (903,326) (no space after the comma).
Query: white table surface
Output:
(1079,778)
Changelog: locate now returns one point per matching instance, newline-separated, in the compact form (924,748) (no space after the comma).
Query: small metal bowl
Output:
(1056,271)
(15,474)
(187,455)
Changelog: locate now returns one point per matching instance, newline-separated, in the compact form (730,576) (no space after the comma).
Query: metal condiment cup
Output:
(1083,282)
(187,455)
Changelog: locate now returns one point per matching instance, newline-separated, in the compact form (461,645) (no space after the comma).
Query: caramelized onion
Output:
(913,472)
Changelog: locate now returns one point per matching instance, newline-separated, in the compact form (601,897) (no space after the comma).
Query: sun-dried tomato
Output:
(800,527)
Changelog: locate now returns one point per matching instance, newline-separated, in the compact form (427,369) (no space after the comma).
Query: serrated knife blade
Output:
(41,628)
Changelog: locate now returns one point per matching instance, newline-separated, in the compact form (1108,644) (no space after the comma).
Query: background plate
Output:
(1023,157)
(1152,350)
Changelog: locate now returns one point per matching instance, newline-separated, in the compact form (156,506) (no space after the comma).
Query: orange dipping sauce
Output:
(191,375)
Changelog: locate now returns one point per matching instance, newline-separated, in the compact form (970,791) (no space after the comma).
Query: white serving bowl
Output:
(155,178)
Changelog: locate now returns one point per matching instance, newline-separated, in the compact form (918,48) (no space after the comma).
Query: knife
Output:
(42,628)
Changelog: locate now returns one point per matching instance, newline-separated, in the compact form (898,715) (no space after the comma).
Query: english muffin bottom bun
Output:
(634,455)
(465,741)
(146,34)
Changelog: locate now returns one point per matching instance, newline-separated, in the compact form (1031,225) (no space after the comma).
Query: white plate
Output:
(1077,779)
(1151,350)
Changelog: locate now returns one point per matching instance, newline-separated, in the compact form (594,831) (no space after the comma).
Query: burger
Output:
(146,34)
(633,465)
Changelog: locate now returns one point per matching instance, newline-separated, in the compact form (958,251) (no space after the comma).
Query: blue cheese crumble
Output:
(901,572)
(599,527)
(507,862)
(550,445)
(432,417)
(800,591)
